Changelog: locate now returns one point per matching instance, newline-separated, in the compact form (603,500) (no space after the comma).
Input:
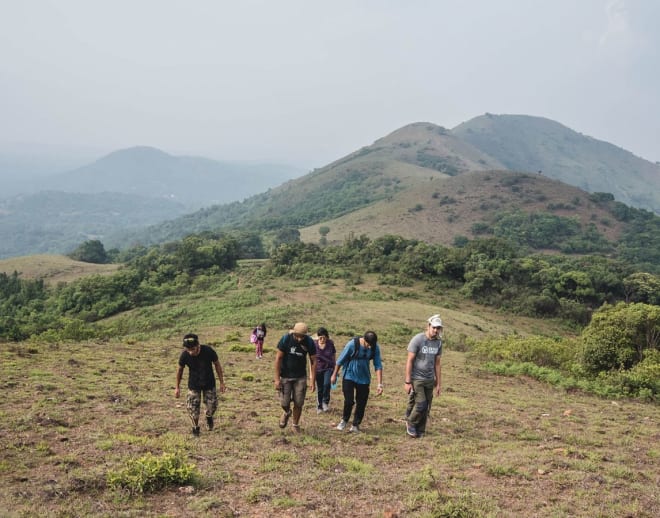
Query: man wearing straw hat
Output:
(293,349)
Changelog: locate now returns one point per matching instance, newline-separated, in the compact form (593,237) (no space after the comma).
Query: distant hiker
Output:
(257,338)
(200,360)
(423,375)
(325,365)
(357,377)
(293,349)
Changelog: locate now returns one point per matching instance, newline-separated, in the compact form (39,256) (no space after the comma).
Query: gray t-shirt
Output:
(426,352)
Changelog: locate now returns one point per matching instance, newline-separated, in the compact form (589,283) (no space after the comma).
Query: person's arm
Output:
(379,377)
(312,371)
(335,373)
(438,374)
(278,368)
(179,375)
(409,368)
(221,378)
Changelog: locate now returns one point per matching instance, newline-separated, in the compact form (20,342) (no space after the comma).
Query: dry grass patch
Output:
(53,268)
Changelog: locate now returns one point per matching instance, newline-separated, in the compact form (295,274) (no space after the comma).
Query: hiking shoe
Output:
(195,431)
(285,418)
(354,429)
(325,407)
(341,425)
(209,422)
(411,430)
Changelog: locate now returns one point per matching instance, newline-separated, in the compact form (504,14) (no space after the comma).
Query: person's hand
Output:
(177,392)
(311,382)
(379,391)
(278,386)
(437,390)
(408,388)
(222,387)
(333,379)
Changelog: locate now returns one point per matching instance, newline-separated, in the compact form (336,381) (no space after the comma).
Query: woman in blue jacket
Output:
(355,360)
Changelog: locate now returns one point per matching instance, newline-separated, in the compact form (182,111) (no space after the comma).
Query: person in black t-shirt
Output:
(293,350)
(200,360)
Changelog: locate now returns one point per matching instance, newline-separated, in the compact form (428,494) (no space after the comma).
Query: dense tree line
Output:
(28,307)
(490,271)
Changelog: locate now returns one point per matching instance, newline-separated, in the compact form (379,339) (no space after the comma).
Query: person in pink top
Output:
(257,338)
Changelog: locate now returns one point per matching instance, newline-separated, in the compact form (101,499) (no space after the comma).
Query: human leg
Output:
(193,404)
(428,393)
(299,393)
(420,404)
(361,397)
(348,388)
(318,378)
(326,389)
(211,404)
(286,392)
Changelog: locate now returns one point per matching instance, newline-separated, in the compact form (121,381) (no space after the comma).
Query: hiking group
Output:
(296,349)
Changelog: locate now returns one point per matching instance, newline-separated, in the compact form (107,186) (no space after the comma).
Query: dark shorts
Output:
(293,389)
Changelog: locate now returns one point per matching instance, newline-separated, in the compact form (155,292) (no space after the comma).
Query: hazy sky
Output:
(307,82)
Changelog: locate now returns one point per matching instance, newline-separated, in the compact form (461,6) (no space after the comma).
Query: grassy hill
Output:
(409,183)
(53,269)
(440,210)
(532,144)
(77,413)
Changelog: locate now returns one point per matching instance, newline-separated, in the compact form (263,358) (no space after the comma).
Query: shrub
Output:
(541,351)
(150,473)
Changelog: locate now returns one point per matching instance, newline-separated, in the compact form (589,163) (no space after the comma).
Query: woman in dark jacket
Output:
(325,364)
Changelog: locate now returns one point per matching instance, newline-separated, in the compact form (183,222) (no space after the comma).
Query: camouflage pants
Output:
(419,403)
(194,403)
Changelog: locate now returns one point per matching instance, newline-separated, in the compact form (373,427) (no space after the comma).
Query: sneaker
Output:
(341,425)
(354,429)
(209,422)
(411,430)
(285,418)
(319,410)
(325,407)
(195,431)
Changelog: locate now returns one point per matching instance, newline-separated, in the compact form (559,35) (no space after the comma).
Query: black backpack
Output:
(356,350)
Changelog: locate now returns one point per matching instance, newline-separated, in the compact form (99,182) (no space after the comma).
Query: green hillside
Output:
(440,210)
(532,144)
(393,164)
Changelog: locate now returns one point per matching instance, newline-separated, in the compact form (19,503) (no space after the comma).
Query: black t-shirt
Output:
(295,355)
(200,368)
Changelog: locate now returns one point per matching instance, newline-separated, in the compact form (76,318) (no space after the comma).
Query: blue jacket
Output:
(357,369)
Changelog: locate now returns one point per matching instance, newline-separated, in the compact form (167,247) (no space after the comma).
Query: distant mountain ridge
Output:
(421,152)
(532,144)
(194,181)
(381,183)
(53,222)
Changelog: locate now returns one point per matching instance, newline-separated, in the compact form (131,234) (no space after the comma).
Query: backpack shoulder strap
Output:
(356,347)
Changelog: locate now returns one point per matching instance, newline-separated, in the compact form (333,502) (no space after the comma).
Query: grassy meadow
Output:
(75,414)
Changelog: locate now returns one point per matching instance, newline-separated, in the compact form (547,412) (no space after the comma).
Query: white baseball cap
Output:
(435,321)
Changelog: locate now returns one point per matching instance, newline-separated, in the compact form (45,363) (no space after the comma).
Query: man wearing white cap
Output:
(293,350)
(423,375)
